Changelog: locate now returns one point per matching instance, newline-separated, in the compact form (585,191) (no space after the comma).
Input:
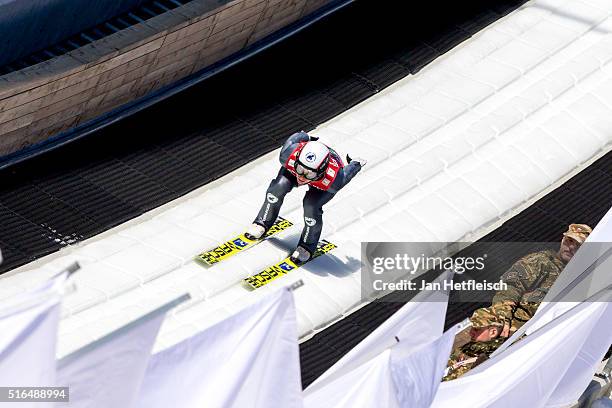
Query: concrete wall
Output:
(51,97)
(27,26)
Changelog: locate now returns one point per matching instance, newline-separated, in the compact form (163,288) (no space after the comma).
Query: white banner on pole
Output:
(367,385)
(250,359)
(418,371)
(405,375)
(109,371)
(527,374)
(580,373)
(418,322)
(28,336)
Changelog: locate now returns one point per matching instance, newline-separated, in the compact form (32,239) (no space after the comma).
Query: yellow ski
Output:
(239,244)
(284,267)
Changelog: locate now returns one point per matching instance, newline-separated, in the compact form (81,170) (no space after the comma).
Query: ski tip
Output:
(249,285)
(295,285)
(204,261)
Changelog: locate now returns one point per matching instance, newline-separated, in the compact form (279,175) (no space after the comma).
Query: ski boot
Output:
(255,232)
(300,256)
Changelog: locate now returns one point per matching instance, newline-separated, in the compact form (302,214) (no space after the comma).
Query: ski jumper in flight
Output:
(305,161)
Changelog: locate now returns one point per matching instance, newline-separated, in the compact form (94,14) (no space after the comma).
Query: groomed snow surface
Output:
(452,150)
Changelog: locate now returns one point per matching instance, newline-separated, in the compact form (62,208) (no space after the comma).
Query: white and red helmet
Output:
(312,160)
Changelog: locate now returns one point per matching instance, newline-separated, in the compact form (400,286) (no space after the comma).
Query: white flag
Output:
(585,364)
(526,374)
(404,375)
(417,371)
(109,371)
(28,335)
(379,371)
(418,322)
(364,386)
(250,359)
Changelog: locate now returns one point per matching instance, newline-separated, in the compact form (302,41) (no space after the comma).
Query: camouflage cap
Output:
(485,317)
(579,232)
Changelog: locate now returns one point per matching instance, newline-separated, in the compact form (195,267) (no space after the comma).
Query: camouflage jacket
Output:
(528,280)
(469,356)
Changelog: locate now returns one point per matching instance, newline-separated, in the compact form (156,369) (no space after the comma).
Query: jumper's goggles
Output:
(306,172)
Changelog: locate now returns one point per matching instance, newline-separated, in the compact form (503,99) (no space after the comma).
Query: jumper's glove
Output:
(313,138)
(362,162)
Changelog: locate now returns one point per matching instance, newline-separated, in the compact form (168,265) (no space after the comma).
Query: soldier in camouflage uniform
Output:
(485,338)
(530,278)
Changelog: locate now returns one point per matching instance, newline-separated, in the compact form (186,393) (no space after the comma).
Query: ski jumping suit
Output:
(315,197)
